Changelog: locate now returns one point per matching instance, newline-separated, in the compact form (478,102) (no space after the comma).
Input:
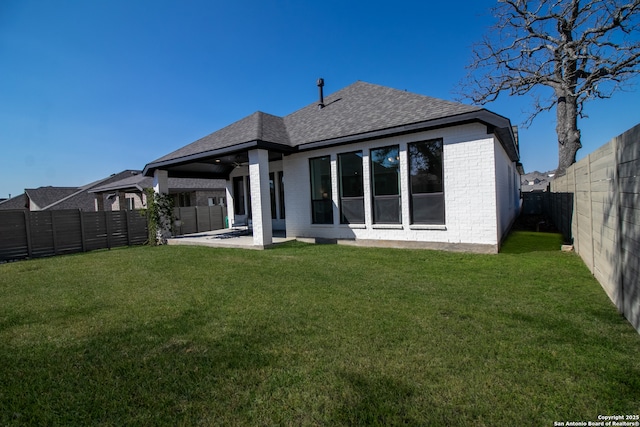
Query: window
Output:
(321,206)
(351,188)
(272,193)
(385,178)
(131,203)
(281,183)
(426,182)
(248,192)
(182,200)
(238,195)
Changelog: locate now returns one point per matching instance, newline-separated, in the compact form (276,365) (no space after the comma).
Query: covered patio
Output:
(368,165)
(244,154)
(237,237)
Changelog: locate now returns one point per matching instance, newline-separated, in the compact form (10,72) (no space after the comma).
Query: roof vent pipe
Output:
(321,96)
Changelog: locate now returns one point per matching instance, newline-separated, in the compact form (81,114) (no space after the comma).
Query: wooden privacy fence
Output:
(196,219)
(25,234)
(555,206)
(601,202)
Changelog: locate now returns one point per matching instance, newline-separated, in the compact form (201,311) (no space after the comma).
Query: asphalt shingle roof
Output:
(44,196)
(364,107)
(358,108)
(358,111)
(258,126)
(16,202)
(56,198)
(141,182)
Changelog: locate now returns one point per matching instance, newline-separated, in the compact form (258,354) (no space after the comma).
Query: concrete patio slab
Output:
(237,237)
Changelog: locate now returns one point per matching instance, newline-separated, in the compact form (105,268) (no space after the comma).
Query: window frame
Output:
(397,196)
(280,183)
(272,194)
(420,196)
(321,208)
(239,199)
(341,178)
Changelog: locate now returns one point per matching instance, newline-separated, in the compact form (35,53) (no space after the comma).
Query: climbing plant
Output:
(159,217)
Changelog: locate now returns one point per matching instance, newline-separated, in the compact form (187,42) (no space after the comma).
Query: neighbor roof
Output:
(359,111)
(42,197)
(57,198)
(140,182)
(16,202)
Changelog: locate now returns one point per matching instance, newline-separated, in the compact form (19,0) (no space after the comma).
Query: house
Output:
(366,165)
(129,193)
(536,182)
(59,198)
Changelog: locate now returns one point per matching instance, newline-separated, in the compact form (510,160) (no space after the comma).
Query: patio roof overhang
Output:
(216,164)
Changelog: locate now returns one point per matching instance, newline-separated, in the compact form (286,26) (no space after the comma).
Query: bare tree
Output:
(579,49)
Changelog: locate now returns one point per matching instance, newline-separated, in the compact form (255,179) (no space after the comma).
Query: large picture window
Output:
(321,206)
(385,177)
(351,189)
(426,182)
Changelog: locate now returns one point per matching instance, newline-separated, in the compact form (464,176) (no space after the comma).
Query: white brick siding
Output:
(507,190)
(480,188)
(471,210)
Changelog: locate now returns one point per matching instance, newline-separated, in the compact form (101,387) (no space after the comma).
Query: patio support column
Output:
(122,201)
(230,203)
(161,187)
(160,182)
(260,197)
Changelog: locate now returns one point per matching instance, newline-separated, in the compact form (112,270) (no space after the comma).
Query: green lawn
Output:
(313,335)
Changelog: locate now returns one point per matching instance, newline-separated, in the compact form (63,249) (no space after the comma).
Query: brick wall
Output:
(470,193)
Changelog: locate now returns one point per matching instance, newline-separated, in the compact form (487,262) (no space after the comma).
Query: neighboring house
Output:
(58,198)
(129,193)
(18,202)
(535,182)
(367,165)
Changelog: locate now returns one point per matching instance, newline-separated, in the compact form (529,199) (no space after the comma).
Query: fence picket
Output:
(197,219)
(66,231)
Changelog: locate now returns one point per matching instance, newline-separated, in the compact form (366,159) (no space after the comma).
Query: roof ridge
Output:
(80,190)
(358,110)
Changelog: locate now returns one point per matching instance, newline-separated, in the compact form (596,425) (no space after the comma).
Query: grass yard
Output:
(313,335)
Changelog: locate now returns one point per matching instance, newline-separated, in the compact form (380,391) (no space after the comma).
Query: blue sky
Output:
(90,88)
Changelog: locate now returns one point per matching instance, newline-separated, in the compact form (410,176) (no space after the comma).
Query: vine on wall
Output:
(159,217)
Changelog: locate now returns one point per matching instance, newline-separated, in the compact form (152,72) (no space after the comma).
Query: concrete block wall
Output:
(604,210)
(202,197)
(119,202)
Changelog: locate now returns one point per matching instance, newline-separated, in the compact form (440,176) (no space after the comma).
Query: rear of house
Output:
(450,188)
(367,165)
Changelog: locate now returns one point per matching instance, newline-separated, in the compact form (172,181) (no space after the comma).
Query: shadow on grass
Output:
(520,242)
(558,340)
(55,315)
(149,374)
(374,400)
